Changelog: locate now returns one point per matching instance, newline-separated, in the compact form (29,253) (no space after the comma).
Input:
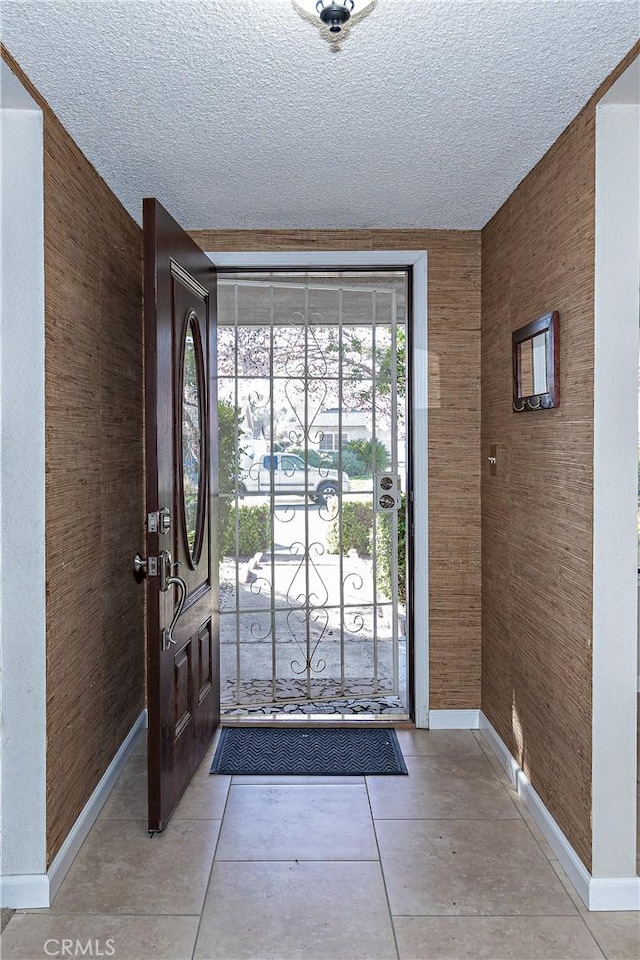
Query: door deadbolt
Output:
(388,491)
(159,521)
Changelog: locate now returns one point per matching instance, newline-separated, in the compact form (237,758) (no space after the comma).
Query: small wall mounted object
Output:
(536,356)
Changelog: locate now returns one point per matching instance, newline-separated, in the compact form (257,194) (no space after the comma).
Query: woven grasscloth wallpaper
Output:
(538,255)
(94,474)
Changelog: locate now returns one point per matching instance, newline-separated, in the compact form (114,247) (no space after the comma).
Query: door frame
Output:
(615,651)
(416,262)
(23,812)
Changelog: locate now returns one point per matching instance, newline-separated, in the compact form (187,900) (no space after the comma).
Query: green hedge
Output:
(230,448)
(357,524)
(254,531)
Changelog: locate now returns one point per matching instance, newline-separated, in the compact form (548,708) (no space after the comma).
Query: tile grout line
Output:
(485,916)
(593,936)
(213,860)
(35,912)
(304,860)
(509,788)
(570,892)
(384,879)
(457,819)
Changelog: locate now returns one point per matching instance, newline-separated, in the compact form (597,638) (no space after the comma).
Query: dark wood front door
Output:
(181,451)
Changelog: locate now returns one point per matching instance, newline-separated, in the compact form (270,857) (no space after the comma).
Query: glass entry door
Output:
(313,450)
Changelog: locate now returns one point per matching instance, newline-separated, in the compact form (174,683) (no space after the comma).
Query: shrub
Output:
(357,523)
(312,457)
(230,450)
(384,533)
(254,531)
(352,465)
(372,455)
(356,460)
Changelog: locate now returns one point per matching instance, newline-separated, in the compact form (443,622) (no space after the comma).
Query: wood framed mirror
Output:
(536,374)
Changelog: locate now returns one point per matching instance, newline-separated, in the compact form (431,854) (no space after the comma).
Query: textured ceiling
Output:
(237,114)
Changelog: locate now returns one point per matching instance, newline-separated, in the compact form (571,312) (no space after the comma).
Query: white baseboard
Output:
(24,890)
(614,893)
(79,831)
(597,893)
(507,762)
(38,890)
(573,865)
(454,719)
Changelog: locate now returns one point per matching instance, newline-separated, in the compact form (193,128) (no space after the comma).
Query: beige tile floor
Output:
(443,864)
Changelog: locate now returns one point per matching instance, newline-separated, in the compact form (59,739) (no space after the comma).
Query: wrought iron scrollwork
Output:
(285,512)
(307,431)
(309,617)
(306,358)
(259,585)
(357,621)
(357,581)
(327,508)
(256,632)
(305,571)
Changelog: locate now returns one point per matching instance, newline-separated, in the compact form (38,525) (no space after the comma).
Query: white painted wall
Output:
(22,473)
(615,642)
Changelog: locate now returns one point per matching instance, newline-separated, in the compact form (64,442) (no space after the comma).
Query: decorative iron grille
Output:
(312,591)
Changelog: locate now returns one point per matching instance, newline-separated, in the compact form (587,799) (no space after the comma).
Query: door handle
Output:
(169,579)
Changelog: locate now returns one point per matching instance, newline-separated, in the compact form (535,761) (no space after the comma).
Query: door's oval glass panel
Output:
(191,438)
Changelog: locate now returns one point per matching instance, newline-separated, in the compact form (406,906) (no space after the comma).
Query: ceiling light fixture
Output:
(335,14)
(334,18)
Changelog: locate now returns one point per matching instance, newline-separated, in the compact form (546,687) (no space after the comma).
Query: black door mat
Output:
(301,751)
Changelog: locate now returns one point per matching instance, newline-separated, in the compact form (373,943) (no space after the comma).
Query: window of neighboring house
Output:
(331,441)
